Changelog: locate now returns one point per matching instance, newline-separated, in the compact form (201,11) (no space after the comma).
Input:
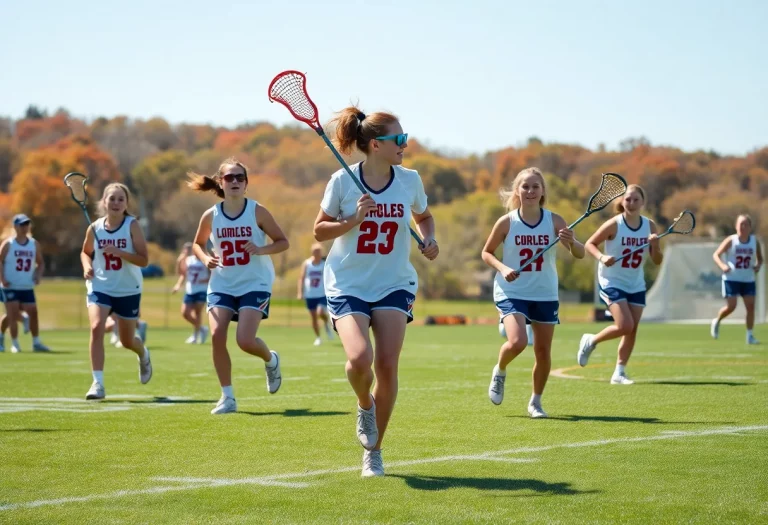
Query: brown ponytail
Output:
(205,183)
(356,129)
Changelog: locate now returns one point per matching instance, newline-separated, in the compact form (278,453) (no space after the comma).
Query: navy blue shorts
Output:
(252,300)
(22,296)
(192,298)
(612,295)
(125,307)
(314,302)
(344,305)
(534,311)
(738,288)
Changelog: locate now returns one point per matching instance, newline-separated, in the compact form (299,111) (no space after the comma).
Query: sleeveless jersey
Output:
(539,281)
(313,280)
(240,272)
(20,263)
(197,276)
(112,275)
(741,258)
(627,274)
(372,260)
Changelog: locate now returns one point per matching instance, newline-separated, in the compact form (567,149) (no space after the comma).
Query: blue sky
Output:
(465,76)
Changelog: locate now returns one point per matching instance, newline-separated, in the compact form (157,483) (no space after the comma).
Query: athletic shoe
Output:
(329,332)
(529,334)
(496,388)
(15,348)
(203,335)
(367,431)
(40,347)
(274,378)
(536,412)
(25,323)
(373,466)
(2,344)
(95,392)
(621,379)
(585,349)
(318,341)
(143,331)
(714,328)
(145,368)
(226,405)
(751,340)
(192,339)
(114,339)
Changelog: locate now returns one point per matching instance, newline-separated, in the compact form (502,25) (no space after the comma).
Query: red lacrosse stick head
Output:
(289,88)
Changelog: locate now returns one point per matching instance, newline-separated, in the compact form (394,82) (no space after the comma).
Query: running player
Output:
(743,259)
(112,269)
(242,273)
(529,296)
(312,290)
(621,280)
(194,275)
(21,267)
(369,279)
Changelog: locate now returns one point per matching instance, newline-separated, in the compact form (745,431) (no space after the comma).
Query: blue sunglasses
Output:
(399,139)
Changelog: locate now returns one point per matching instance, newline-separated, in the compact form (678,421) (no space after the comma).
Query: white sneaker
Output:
(40,347)
(145,368)
(143,331)
(496,388)
(25,323)
(226,405)
(373,466)
(2,344)
(714,329)
(318,341)
(329,332)
(536,412)
(192,339)
(367,431)
(95,392)
(621,380)
(585,349)
(274,378)
(119,343)
(751,340)
(114,339)
(203,335)
(15,347)
(529,334)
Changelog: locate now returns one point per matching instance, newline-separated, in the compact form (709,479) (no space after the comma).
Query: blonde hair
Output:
(747,217)
(619,207)
(212,183)
(510,196)
(107,190)
(356,129)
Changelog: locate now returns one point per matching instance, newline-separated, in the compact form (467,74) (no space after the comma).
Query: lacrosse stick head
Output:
(612,186)
(289,88)
(76,183)
(683,223)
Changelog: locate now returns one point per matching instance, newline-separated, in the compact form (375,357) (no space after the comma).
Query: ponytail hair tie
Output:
(360,116)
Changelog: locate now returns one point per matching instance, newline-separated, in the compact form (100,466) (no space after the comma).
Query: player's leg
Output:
(111,327)
(315,325)
(247,327)
(202,330)
(188,313)
(13,312)
(621,326)
(626,345)
(322,314)
(517,340)
(97,317)
(731,295)
(3,328)
(219,319)
(34,326)
(542,350)
(749,305)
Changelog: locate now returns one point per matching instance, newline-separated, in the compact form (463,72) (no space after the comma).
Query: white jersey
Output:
(627,274)
(313,280)
(20,263)
(372,260)
(197,275)
(240,272)
(741,258)
(112,275)
(539,281)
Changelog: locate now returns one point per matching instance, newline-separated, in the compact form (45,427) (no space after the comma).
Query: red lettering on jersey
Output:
(234,232)
(118,243)
(634,241)
(388,211)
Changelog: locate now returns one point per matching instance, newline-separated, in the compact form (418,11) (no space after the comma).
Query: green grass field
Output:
(687,443)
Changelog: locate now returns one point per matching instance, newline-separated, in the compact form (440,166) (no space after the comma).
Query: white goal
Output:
(688,288)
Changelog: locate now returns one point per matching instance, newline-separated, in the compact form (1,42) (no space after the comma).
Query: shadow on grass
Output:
(36,430)
(435,483)
(156,400)
(696,383)
(628,419)
(297,412)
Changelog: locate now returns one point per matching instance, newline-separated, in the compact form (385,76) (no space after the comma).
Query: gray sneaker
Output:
(145,368)
(373,466)
(367,431)
(274,377)
(226,405)
(95,392)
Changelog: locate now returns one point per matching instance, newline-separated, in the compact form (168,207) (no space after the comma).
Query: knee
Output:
(361,363)
(386,370)
(97,327)
(517,343)
(625,326)
(219,336)
(128,340)
(244,341)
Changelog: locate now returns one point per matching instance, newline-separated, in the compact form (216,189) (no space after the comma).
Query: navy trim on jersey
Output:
(630,227)
(382,190)
(17,241)
(541,218)
(116,229)
(245,207)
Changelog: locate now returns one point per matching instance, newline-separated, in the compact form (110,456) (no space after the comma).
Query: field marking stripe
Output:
(197,483)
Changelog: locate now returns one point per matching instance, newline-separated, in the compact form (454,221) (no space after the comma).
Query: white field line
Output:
(197,483)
